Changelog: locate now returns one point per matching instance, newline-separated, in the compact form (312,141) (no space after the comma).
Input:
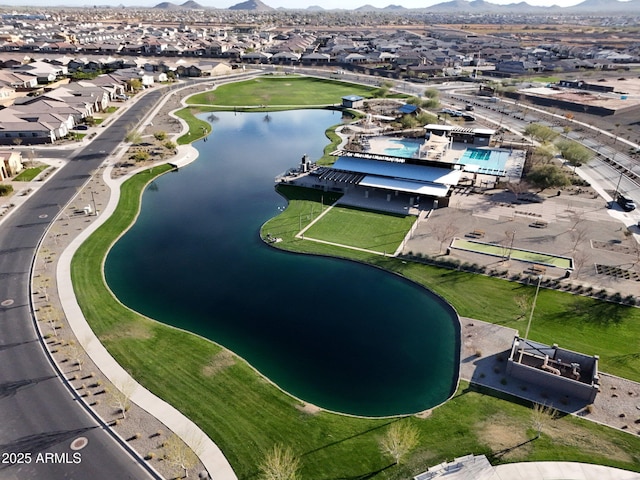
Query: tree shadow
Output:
(598,313)
(364,476)
(495,457)
(351,437)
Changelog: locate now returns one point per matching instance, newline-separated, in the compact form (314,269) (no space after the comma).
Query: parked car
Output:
(81,127)
(626,203)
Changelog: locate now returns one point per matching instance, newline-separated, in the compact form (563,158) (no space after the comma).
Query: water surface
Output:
(340,335)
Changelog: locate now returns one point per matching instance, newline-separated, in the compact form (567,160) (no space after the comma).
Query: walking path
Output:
(144,424)
(210,455)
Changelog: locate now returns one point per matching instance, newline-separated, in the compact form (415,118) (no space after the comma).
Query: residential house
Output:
(10,163)
(43,71)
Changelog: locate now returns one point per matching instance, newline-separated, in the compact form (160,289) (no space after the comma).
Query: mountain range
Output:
(452,6)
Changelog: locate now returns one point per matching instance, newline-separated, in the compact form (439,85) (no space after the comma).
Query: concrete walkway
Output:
(560,471)
(208,452)
(210,455)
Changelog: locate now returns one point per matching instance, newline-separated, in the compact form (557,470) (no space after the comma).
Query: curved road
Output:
(39,415)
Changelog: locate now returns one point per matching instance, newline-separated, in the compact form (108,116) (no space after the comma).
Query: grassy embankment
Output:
(245,415)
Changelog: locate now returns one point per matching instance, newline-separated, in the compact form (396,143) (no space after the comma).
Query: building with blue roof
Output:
(352,101)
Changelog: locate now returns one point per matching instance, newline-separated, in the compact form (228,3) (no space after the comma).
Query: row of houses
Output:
(50,116)
(402,48)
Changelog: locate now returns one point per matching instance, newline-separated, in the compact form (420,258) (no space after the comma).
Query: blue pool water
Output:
(487,161)
(405,149)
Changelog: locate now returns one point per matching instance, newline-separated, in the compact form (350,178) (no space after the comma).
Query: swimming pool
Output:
(485,161)
(405,149)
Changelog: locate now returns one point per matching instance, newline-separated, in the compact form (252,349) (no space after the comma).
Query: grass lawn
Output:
(246,415)
(516,253)
(29,174)
(361,228)
(197,128)
(274,91)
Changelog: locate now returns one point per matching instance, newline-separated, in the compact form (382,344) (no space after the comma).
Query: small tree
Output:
(280,464)
(120,396)
(160,135)
(543,153)
(445,231)
(178,453)
(541,133)
(401,437)
(135,84)
(573,152)
(547,176)
(541,416)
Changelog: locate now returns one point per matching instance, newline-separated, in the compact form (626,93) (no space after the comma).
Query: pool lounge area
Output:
(496,162)
(485,161)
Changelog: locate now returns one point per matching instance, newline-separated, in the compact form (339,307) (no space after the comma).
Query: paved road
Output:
(38,414)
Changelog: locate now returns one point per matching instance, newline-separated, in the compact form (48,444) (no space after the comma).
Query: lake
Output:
(338,334)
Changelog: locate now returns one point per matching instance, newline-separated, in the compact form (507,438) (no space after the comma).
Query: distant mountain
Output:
(188,5)
(315,8)
(254,5)
(588,6)
(605,6)
(191,4)
(167,6)
(393,8)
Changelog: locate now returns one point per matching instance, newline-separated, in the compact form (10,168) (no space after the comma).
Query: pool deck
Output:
(512,167)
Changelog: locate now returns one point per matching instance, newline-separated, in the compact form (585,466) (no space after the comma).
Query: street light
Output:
(533,307)
(513,236)
(615,193)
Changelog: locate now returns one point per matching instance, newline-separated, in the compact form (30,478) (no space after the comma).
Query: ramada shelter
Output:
(369,172)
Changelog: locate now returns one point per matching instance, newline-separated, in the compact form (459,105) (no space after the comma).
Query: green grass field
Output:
(246,415)
(361,228)
(197,128)
(515,253)
(275,91)
(29,174)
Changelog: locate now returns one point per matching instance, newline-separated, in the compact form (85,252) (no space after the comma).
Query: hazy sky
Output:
(327,4)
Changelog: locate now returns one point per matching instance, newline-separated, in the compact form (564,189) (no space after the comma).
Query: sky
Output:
(298,4)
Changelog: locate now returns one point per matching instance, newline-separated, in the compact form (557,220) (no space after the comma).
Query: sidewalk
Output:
(210,455)
(144,432)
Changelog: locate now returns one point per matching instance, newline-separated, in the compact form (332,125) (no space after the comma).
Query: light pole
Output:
(533,307)
(513,236)
(615,193)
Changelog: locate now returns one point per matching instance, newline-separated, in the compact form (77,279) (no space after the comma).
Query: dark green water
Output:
(337,334)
